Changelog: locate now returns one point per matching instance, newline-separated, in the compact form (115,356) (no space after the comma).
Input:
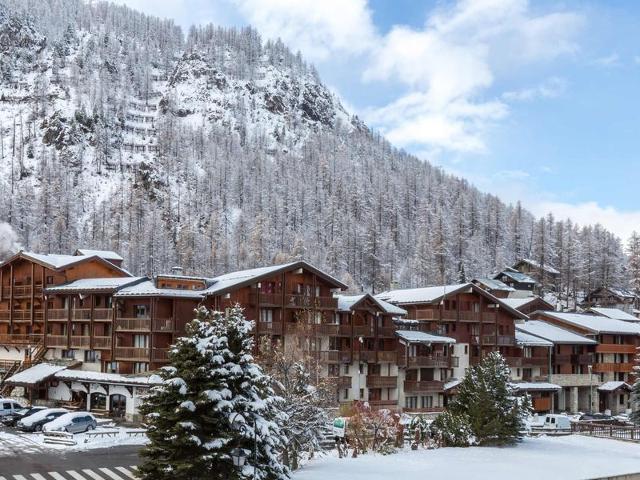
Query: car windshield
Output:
(22,411)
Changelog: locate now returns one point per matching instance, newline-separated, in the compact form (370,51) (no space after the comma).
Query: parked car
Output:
(594,417)
(35,422)
(11,419)
(8,406)
(73,422)
(557,422)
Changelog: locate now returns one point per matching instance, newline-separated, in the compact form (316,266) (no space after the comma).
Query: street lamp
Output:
(238,455)
(590,367)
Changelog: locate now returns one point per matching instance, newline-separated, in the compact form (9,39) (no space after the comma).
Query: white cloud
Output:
(608,61)
(550,88)
(454,60)
(317,28)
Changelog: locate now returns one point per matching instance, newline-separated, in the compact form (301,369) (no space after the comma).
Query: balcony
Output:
(133,324)
(270,328)
(24,316)
(57,341)
(583,359)
(102,314)
(429,361)
(132,354)
(332,356)
(81,315)
(344,382)
(559,359)
(363,331)
(102,343)
(163,325)
(307,301)
(80,342)
(501,340)
(57,314)
(160,354)
(535,361)
(388,356)
(383,404)
(426,386)
(387,332)
(346,356)
(20,339)
(344,330)
(615,348)
(613,367)
(22,291)
(376,381)
(266,299)
(366,356)
(4,315)
(327,329)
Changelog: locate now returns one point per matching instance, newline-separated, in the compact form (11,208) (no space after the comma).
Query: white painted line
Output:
(20,477)
(37,476)
(3,478)
(109,473)
(56,476)
(92,474)
(75,475)
(126,472)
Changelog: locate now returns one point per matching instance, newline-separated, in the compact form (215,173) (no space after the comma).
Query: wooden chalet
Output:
(619,298)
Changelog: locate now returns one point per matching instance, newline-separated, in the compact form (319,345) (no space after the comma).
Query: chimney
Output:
(176,271)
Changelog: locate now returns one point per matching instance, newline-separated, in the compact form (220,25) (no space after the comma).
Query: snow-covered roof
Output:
(111,378)
(527,340)
(613,386)
(617,291)
(536,386)
(96,284)
(420,295)
(536,264)
(411,336)
(106,254)
(228,281)
(519,302)
(614,313)
(453,383)
(59,261)
(596,324)
(516,276)
(148,288)
(553,333)
(494,284)
(346,303)
(35,374)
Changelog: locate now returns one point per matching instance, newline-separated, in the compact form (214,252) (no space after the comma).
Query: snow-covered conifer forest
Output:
(216,149)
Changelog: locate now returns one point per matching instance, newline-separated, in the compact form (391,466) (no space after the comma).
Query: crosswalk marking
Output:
(56,476)
(126,472)
(111,474)
(92,474)
(3,478)
(37,476)
(75,475)
(19,477)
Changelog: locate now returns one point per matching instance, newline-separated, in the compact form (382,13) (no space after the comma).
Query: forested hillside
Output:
(217,150)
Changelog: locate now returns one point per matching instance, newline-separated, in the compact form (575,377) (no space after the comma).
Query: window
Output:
(49,280)
(346,369)
(266,315)
(411,402)
(466,349)
(6,406)
(317,291)
(334,370)
(140,311)
(426,402)
(362,394)
(111,367)
(69,354)
(141,341)
(361,368)
(140,367)
(91,356)
(346,394)
(621,400)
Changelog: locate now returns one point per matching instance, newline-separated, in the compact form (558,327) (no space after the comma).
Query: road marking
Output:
(92,474)
(56,476)
(75,475)
(20,477)
(37,476)
(3,478)
(109,473)
(126,472)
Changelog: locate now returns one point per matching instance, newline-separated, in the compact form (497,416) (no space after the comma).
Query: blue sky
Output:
(536,101)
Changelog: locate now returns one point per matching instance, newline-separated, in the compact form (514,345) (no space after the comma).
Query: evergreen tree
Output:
(633,250)
(213,399)
(486,404)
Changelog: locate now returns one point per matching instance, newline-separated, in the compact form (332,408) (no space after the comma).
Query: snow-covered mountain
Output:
(220,150)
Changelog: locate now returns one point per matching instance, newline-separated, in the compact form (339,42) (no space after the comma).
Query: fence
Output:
(619,432)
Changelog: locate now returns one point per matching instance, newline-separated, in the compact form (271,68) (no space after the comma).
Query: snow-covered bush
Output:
(214,399)
(452,430)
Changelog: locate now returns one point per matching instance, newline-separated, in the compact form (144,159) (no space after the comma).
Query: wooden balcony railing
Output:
(345,382)
(424,386)
(615,348)
(363,331)
(24,316)
(535,361)
(20,339)
(613,367)
(102,314)
(311,302)
(376,381)
(270,328)
(583,359)
(429,361)
(332,356)
(383,404)
(81,314)
(160,354)
(131,354)
(327,329)
(57,341)
(563,358)
(80,342)
(266,299)
(344,330)
(55,314)
(387,356)
(162,325)
(23,291)
(386,331)
(501,340)
(133,324)
(367,356)
(101,343)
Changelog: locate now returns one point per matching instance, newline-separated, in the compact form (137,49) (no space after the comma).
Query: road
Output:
(107,464)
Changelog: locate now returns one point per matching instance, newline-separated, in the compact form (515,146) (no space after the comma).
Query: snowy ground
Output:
(569,458)
(12,442)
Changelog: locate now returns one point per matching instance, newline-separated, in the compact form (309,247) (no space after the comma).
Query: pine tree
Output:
(633,250)
(213,399)
(486,404)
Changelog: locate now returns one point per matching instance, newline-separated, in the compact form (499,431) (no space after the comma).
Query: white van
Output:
(557,422)
(8,406)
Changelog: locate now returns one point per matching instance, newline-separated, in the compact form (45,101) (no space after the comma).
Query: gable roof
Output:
(106,254)
(519,302)
(618,292)
(346,303)
(614,313)
(594,323)
(147,288)
(230,281)
(525,339)
(535,264)
(107,284)
(553,333)
(60,262)
(413,336)
(433,295)
(516,276)
(494,284)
